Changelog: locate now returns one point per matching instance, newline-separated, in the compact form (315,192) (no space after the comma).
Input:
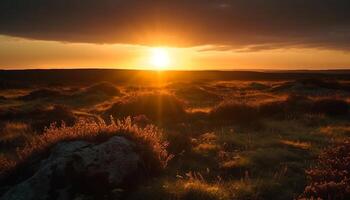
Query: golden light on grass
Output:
(159,59)
(297,144)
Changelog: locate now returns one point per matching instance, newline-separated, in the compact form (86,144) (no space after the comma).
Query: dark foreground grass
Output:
(232,164)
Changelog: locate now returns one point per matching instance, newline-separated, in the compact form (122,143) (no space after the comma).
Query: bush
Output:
(39,118)
(294,104)
(329,179)
(331,107)
(104,88)
(156,106)
(149,142)
(234,112)
(312,86)
(42,94)
(179,142)
(6,164)
(246,113)
(197,95)
(297,104)
(14,134)
(57,114)
(328,84)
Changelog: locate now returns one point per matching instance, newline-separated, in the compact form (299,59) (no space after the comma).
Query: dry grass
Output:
(6,164)
(149,140)
(14,135)
(334,131)
(13,130)
(195,189)
(296,144)
(193,186)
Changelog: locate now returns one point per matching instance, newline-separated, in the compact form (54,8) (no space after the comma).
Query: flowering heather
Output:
(330,179)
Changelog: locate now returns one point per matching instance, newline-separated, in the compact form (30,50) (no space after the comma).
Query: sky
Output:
(196,34)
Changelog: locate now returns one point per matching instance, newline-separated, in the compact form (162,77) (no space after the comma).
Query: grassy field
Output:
(256,138)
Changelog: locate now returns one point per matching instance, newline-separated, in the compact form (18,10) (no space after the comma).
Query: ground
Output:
(229,138)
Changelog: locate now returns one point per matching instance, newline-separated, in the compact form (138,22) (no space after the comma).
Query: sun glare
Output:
(160,59)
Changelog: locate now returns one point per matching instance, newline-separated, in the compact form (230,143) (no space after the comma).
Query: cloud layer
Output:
(250,25)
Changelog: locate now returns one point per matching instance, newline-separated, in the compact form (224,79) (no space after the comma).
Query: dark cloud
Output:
(236,24)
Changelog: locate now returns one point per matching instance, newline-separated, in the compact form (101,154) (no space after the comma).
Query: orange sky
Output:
(27,53)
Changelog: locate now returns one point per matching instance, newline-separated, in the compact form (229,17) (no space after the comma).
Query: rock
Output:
(76,168)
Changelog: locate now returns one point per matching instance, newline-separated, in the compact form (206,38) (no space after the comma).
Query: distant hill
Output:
(18,78)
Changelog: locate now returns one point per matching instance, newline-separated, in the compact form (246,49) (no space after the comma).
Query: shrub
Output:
(234,112)
(329,179)
(230,110)
(11,130)
(156,106)
(42,94)
(272,109)
(331,107)
(257,86)
(2,98)
(105,88)
(14,134)
(39,118)
(197,95)
(298,104)
(179,142)
(294,104)
(6,163)
(149,142)
(328,84)
(57,114)
(94,94)
(311,86)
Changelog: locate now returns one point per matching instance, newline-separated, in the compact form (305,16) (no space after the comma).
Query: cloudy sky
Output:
(198,34)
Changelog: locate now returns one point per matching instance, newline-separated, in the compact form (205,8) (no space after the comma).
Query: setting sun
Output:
(159,58)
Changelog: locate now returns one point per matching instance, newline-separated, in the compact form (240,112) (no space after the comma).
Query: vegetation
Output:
(211,138)
(157,106)
(149,143)
(329,179)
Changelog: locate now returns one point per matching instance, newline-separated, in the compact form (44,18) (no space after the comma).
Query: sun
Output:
(159,58)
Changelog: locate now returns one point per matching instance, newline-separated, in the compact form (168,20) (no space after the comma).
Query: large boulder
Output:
(79,168)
